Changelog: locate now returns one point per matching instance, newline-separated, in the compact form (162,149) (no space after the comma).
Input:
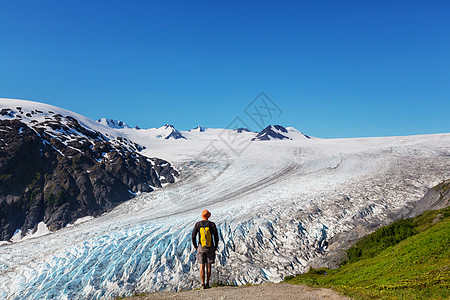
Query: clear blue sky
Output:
(335,68)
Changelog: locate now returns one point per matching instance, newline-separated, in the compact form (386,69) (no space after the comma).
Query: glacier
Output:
(279,207)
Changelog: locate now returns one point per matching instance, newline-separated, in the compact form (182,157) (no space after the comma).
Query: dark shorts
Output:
(206,255)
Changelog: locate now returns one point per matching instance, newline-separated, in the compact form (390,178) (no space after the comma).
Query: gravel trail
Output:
(280,291)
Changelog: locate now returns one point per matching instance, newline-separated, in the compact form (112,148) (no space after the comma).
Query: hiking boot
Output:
(207,286)
(204,286)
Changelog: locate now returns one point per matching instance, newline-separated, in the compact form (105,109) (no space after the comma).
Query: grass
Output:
(381,239)
(409,259)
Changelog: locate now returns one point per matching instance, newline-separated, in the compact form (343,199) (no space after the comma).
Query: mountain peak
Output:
(278,132)
(198,129)
(272,132)
(113,123)
(169,132)
(242,129)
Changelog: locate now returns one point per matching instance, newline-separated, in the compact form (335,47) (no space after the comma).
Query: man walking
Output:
(207,246)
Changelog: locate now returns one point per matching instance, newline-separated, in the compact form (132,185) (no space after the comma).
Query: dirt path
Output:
(280,291)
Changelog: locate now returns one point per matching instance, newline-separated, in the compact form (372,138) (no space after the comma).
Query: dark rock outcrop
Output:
(198,128)
(175,135)
(113,123)
(57,171)
(278,132)
(437,197)
(241,129)
(272,132)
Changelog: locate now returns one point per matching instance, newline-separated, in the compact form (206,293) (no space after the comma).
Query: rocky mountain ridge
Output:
(113,123)
(169,132)
(278,132)
(55,169)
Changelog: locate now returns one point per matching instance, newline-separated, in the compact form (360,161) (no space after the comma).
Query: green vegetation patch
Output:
(5,177)
(383,238)
(418,267)
(54,199)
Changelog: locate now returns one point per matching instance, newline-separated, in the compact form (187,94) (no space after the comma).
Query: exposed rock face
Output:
(169,132)
(57,171)
(241,129)
(173,133)
(198,128)
(278,132)
(437,197)
(113,123)
(272,132)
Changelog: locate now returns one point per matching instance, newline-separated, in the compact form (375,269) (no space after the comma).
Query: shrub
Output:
(381,239)
(289,277)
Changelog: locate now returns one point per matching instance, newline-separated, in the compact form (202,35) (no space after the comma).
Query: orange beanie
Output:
(206,214)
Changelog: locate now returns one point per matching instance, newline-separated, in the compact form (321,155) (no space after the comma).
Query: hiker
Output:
(207,246)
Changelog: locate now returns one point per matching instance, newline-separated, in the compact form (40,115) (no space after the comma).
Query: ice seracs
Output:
(279,206)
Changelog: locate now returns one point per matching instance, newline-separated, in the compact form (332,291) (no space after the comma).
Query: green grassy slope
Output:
(409,259)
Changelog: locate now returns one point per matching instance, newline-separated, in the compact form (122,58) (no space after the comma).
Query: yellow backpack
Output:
(205,237)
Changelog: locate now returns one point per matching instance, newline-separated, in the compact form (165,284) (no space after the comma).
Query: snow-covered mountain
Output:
(280,206)
(198,129)
(57,166)
(113,123)
(278,132)
(173,133)
(167,132)
(241,129)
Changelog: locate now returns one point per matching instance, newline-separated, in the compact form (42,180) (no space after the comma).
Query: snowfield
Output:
(279,206)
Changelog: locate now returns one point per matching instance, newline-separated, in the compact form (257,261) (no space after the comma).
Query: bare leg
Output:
(202,273)
(208,273)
